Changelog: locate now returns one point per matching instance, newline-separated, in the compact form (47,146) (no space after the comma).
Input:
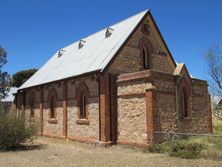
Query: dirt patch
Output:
(56,153)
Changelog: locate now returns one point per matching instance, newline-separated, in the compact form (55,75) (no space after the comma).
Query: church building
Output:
(117,86)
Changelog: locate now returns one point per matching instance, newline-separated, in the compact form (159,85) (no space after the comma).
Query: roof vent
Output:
(109,32)
(81,43)
(61,52)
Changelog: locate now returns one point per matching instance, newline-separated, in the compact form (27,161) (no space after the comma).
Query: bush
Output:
(153,148)
(15,131)
(185,150)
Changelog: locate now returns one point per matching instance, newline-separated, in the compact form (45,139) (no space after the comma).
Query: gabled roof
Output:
(92,53)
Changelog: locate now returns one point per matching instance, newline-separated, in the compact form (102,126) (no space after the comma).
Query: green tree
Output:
(21,76)
(4,76)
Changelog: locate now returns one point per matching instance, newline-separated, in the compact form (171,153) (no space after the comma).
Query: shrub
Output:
(153,148)
(15,131)
(185,150)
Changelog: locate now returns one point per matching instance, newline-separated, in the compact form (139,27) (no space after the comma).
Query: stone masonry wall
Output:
(165,103)
(32,94)
(53,128)
(80,131)
(132,112)
(200,114)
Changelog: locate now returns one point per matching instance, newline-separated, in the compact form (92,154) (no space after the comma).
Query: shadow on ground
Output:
(26,147)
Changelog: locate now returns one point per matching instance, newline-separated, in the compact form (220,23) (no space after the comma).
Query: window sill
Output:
(82,122)
(185,119)
(53,121)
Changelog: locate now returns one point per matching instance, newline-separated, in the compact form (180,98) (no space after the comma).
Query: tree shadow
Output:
(25,147)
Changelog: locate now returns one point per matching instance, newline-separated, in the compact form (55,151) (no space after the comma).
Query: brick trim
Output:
(210,129)
(134,76)
(104,108)
(65,94)
(41,109)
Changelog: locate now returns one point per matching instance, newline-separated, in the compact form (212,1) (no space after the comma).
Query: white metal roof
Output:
(10,97)
(95,53)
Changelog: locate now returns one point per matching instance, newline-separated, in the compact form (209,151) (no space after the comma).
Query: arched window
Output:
(184,103)
(82,95)
(52,107)
(32,112)
(146,63)
(52,99)
(82,106)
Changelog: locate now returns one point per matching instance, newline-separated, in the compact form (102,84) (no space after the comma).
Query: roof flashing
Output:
(109,32)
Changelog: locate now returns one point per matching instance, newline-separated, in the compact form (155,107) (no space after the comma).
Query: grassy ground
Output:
(205,146)
(52,152)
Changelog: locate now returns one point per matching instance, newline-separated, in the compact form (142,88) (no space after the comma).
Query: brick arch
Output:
(82,90)
(184,89)
(52,93)
(145,43)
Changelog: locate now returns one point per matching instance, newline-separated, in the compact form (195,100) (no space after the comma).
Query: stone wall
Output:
(78,131)
(199,120)
(54,127)
(32,94)
(132,116)
(168,119)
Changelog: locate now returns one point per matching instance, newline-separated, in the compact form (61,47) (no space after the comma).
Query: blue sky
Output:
(32,30)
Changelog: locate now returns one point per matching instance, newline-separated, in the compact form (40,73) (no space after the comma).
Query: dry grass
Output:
(52,152)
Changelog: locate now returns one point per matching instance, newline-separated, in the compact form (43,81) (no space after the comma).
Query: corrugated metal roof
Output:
(95,53)
(10,97)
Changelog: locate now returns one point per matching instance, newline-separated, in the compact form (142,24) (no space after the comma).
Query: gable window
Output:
(184,103)
(146,63)
(52,107)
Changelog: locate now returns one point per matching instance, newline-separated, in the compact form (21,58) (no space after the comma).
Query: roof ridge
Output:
(102,29)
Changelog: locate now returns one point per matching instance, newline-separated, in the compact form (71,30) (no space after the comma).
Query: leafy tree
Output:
(20,77)
(4,76)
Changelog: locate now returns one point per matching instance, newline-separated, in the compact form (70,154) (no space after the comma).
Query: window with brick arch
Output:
(52,107)
(146,63)
(32,112)
(184,103)
(82,106)
(82,95)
